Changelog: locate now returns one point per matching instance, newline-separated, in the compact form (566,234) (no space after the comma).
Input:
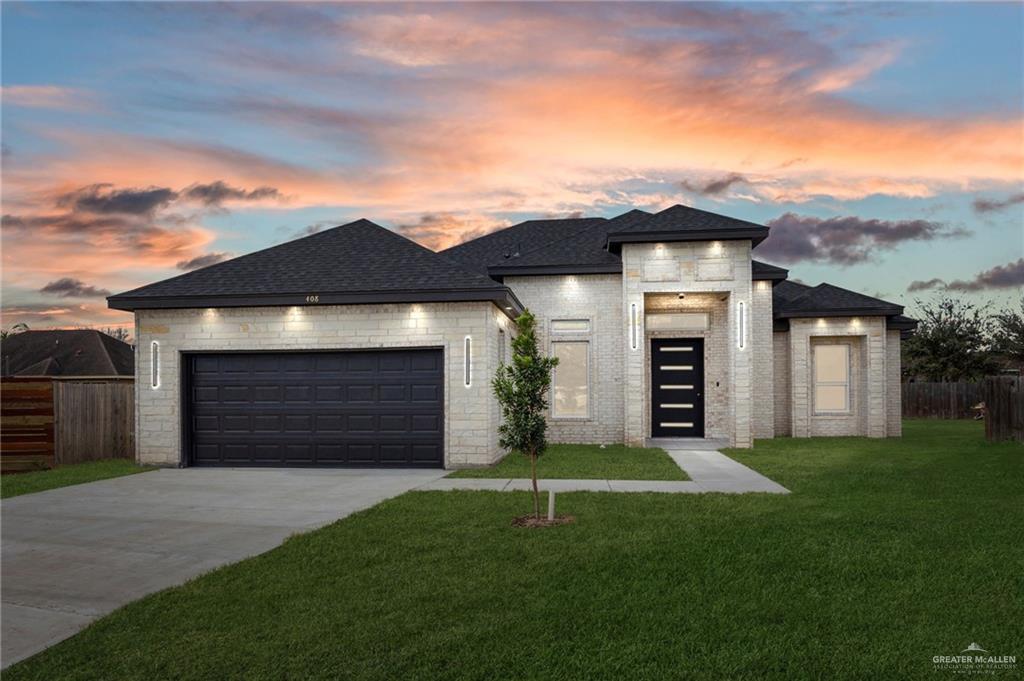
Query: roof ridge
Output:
(566,237)
(437,254)
(246,255)
(103,348)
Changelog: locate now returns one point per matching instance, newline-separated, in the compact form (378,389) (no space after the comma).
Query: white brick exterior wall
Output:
(894,400)
(782,392)
(762,346)
(711,267)
(761,391)
(471,416)
(869,336)
(598,299)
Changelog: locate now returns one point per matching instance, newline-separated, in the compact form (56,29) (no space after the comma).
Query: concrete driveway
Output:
(73,554)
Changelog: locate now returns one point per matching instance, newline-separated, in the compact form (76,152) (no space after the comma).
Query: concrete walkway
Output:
(709,471)
(73,554)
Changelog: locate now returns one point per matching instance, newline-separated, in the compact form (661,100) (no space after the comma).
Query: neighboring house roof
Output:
(360,262)
(512,242)
(78,352)
(683,223)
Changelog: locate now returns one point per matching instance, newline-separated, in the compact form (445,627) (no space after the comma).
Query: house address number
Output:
(312,299)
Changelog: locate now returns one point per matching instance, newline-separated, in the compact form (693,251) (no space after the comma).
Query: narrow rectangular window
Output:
(633,331)
(571,384)
(570,326)
(832,379)
(468,356)
(154,365)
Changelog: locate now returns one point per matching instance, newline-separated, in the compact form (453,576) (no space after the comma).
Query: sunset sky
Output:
(884,144)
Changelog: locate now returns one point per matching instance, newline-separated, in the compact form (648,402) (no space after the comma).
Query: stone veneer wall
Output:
(872,411)
(894,401)
(762,345)
(470,413)
(855,422)
(782,391)
(597,298)
(720,267)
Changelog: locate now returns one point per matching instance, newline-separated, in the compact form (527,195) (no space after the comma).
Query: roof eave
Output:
(775,277)
(536,270)
(840,312)
(754,234)
(501,296)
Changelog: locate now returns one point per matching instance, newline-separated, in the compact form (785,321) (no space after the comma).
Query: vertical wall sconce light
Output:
(154,365)
(468,368)
(634,331)
(741,325)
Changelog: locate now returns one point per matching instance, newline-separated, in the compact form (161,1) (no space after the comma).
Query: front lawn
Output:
(585,462)
(16,484)
(886,554)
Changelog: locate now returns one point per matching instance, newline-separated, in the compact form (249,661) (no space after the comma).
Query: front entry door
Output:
(677,387)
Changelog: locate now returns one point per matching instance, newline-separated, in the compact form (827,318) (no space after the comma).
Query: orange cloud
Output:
(45,97)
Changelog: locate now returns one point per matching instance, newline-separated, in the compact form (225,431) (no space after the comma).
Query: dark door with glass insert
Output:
(677,387)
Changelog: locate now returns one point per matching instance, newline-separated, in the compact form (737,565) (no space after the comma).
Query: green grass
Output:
(887,553)
(585,462)
(16,484)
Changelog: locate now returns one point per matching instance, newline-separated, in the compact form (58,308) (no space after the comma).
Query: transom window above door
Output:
(570,326)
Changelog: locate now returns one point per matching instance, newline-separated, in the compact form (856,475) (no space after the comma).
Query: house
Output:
(76,352)
(358,347)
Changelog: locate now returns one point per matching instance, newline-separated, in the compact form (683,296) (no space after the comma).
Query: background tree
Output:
(17,328)
(1008,333)
(118,332)
(952,342)
(521,389)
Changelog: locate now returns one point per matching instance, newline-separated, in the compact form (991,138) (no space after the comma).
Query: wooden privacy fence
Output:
(49,421)
(1004,413)
(941,400)
(26,424)
(95,419)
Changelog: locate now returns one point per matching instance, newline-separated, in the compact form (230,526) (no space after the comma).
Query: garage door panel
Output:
(360,408)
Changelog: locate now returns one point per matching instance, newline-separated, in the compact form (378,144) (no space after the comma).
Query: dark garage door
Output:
(379,408)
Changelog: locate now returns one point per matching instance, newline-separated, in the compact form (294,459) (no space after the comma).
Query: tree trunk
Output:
(536,492)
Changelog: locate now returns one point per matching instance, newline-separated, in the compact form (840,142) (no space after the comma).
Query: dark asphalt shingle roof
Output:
(679,221)
(791,299)
(78,352)
(584,248)
(499,247)
(762,270)
(358,257)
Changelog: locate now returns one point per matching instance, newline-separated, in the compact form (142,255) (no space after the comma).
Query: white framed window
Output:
(570,389)
(570,326)
(831,378)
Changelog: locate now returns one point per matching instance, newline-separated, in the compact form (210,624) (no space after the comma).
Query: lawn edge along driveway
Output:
(585,462)
(17,484)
